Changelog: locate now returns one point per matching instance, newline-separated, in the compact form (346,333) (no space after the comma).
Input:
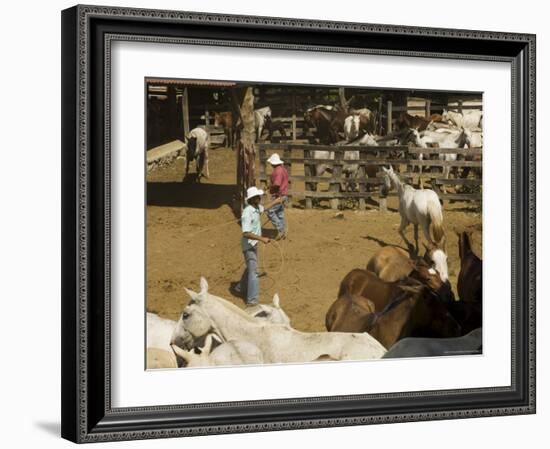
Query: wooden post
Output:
(185,111)
(294,133)
(287,154)
(428,107)
(172,113)
(362,177)
(308,170)
(460,106)
(206,119)
(389,117)
(263,166)
(379,118)
(336,173)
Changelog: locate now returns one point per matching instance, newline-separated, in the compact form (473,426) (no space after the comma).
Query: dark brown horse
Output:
(329,122)
(416,313)
(470,277)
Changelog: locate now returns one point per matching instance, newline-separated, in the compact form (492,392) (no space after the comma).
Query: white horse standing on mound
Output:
(419,207)
(278,343)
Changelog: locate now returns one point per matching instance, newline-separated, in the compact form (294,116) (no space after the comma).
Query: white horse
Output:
(278,343)
(261,117)
(230,353)
(198,142)
(160,331)
(470,119)
(420,207)
(444,139)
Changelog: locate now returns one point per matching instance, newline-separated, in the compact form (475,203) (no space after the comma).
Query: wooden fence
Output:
(300,164)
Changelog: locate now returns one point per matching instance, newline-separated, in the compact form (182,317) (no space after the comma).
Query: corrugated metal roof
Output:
(197,83)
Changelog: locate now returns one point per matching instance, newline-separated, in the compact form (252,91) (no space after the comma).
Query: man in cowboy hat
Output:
(252,234)
(278,189)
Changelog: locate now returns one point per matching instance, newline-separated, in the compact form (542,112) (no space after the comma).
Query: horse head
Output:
(429,276)
(194,323)
(436,257)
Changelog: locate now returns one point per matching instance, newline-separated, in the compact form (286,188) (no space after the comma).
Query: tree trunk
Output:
(248,137)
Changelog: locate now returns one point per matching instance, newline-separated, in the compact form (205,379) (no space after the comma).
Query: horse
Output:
(417,312)
(197,149)
(416,206)
(225,119)
(349,313)
(209,314)
(469,285)
(470,119)
(392,264)
(360,122)
(469,344)
(444,139)
(359,282)
(328,122)
(413,310)
(262,120)
(406,120)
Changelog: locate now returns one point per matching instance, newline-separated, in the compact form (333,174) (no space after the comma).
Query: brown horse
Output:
(416,313)
(349,313)
(470,276)
(412,121)
(364,283)
(328,121)
(225,119)
(392,264)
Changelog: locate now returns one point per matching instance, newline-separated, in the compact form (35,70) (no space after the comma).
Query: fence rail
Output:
(368,176)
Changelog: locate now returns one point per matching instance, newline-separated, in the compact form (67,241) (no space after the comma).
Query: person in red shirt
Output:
(278,189)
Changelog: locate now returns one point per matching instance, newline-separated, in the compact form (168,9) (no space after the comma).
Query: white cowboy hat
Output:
(253,191)
(274,159)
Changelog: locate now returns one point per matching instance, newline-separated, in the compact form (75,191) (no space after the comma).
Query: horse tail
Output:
(436,217)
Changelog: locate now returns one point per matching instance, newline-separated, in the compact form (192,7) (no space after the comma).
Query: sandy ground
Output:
(192,232)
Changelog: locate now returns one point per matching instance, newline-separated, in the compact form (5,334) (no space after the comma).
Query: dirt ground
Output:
(192,232)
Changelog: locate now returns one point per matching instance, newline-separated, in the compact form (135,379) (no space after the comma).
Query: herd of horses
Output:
(400,304)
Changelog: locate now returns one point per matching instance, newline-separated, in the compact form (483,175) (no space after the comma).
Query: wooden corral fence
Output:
(300,164)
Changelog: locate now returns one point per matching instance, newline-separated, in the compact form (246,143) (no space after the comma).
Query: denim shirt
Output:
(250,222)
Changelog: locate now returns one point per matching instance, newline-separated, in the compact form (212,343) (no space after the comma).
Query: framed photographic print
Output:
(276,224)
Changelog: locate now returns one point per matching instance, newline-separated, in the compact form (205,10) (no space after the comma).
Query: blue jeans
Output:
(249,283)
(276,215)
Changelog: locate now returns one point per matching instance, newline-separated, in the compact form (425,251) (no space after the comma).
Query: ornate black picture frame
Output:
(87,33)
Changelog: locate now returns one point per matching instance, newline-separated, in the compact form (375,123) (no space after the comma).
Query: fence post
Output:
(337,174)
(287,155)
(362,177)
(308,170)
(294,134)
(389,117)
(263,165)
(185,111)
(428,107)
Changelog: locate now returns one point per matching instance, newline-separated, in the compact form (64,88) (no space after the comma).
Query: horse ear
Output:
(385,169)
(207,345)
(204,286)
(276,300)
(191,293)
(182,353)
(442,243)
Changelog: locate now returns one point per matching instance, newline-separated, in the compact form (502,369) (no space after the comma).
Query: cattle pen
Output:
(300,163)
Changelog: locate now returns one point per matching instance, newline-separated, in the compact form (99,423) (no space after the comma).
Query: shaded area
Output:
(190,194)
